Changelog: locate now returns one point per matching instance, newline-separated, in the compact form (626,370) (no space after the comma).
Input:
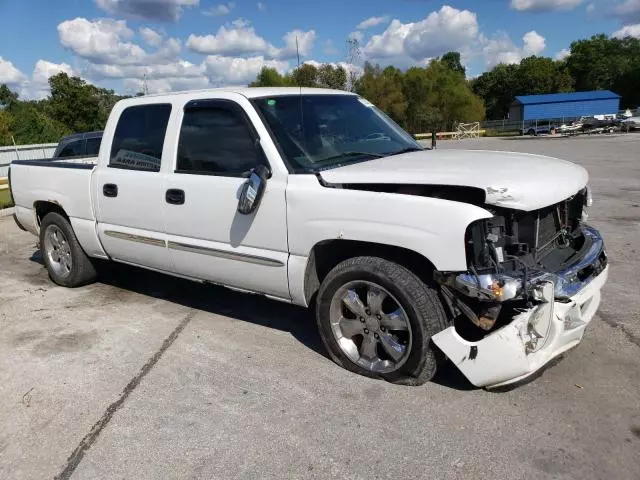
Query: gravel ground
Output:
(144,376)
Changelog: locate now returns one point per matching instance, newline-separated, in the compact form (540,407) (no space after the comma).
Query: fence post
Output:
(433,140)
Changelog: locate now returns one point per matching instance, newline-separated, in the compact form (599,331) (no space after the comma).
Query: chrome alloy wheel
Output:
(58,251)
(370,326)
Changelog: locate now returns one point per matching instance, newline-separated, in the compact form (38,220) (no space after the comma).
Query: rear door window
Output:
(139,137)
(72,149)
(93,146)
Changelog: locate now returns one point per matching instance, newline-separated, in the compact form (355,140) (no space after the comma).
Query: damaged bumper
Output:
(565,303)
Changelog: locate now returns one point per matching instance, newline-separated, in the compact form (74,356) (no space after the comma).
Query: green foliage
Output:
(5,199)
(607,63)
(383,88)
(5,128)
(79,106)
(307,75)
(422,99)
(452,61)
(270,77)
(73,107)
(533,76)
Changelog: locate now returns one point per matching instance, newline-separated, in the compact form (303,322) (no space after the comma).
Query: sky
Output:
(171,45)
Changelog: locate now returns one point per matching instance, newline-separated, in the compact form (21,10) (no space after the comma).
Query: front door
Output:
(207,237)
(129,192)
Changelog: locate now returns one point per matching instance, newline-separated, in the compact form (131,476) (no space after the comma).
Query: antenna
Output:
(145,86)
(300,95)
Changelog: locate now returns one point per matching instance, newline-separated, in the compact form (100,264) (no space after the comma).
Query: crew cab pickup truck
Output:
(317,198)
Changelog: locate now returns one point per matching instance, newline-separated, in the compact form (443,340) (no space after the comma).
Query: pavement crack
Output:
(89,439)
(609,320)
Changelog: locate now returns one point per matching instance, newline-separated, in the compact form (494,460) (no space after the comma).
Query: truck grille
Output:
(545,229)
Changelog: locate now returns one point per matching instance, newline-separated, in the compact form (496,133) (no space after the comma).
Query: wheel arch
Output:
(42,208)
(326,254)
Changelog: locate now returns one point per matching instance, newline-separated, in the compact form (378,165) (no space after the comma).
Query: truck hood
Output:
(511,180)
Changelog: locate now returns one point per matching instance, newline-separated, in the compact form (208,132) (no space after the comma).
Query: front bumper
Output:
(569,301)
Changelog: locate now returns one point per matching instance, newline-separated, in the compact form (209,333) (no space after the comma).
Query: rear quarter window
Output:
(139,137)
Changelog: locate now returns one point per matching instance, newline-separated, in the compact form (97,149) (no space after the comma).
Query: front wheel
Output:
(66,261)
(376,318)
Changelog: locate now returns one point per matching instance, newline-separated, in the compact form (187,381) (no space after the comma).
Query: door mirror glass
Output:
(253,190)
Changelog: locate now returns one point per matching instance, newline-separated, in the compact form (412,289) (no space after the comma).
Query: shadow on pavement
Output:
(298,321)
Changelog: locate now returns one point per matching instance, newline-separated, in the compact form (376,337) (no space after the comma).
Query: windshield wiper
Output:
(406,150)
(350,154)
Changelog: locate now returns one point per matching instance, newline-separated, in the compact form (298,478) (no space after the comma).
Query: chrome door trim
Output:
(156,242)
(241,257)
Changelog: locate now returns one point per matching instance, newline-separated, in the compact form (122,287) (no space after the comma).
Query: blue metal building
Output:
(564,105)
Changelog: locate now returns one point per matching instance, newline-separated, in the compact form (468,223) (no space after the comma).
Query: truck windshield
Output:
(318,132)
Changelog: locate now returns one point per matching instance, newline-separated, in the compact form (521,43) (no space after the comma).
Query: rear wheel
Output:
(376,318)
(63,256)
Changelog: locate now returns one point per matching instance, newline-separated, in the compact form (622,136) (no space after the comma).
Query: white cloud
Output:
(627,10)
(305,42)
(534,43)
(150,36)
(544,5)
(262,6)
(229,40)
(562,54)
(500,49)
(10,75)
(372,22)
(38,86)
(357,35)
(220,9)
(408,43)
(591,7)
(241,39)
(107,41)
(154,10)
(628,31)
(238,71)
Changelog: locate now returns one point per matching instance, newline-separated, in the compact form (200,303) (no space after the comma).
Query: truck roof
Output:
(253,92)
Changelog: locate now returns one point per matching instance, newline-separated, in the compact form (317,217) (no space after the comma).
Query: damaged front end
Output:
(533,285)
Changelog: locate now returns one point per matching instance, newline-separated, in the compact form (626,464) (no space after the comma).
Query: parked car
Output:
(404,253)
(534,130)
(631,123)
(79,145)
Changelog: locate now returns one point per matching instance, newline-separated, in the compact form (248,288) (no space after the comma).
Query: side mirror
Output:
(253,190)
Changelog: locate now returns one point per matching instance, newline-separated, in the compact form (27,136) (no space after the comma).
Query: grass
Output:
(5,199)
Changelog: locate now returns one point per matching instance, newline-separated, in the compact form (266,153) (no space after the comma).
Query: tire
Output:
(63,256)
(420,307)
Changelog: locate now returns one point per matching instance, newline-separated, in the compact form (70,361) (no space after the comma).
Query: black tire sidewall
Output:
(82,271)
(422,361)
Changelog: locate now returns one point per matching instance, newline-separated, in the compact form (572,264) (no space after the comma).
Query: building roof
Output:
(566,97)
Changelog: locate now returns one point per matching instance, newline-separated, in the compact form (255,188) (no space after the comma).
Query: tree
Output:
(607,63)
(383,89)
(270,77)
(332,77)
(532,76)
(452,61)
(540,75)
(5,128)
(306,75)
(7,97)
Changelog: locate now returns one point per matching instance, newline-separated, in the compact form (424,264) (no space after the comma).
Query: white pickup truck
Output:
(315,197)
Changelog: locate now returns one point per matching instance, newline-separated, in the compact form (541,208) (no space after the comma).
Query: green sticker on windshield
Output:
(271,102)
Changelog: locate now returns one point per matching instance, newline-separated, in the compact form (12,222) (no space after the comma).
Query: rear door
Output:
(129,188)
(208,239)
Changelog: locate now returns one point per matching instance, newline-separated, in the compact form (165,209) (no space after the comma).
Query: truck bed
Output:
(66,183)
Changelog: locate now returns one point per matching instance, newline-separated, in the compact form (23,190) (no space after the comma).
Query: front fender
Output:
(432,227)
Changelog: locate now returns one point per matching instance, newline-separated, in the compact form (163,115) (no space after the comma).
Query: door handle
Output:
(110,190)
(174,196)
